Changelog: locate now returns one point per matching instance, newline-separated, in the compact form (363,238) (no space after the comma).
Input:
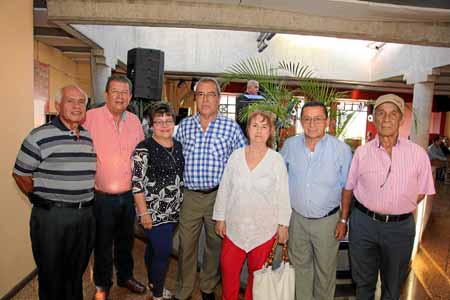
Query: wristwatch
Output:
(344,221)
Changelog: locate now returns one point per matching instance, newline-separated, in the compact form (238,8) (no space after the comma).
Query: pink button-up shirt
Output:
(114,146)
(390,186)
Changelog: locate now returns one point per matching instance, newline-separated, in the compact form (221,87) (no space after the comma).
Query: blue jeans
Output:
(157,254)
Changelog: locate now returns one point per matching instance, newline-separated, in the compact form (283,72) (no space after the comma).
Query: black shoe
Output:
(133,286)
(208,296)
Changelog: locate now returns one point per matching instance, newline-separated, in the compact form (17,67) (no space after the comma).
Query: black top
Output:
(158,173)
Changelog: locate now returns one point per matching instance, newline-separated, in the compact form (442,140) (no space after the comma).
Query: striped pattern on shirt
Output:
(62,165)
(206,153)
(390,185)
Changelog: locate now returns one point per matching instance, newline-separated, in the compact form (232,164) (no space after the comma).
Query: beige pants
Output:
(313,252)
(196,212)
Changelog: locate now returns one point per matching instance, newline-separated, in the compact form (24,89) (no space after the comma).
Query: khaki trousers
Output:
(313,252)
(196,212)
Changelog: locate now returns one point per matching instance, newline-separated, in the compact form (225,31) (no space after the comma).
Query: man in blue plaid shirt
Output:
(208,140)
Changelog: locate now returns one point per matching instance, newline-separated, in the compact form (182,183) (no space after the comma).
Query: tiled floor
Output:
(429,279)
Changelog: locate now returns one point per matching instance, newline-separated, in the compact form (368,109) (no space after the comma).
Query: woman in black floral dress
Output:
(157,169)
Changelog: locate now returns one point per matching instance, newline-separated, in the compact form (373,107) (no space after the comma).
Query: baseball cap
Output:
(392,98)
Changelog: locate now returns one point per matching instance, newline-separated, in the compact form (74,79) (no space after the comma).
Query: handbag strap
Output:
(284,255)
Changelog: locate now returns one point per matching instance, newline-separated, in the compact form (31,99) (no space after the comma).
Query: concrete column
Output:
(421,114)
(100,73)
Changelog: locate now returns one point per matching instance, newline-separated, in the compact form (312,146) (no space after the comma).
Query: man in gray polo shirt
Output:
(55,168)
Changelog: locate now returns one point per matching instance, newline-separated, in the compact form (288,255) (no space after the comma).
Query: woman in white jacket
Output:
(252,207)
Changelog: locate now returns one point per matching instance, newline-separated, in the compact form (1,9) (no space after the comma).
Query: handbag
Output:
(269,284)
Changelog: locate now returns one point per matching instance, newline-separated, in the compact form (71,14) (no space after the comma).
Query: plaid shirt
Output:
(207,153)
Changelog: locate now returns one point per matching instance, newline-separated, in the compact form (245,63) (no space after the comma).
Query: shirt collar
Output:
(60,125)
(196,117)
(378,144)
(110,115)
(321,141)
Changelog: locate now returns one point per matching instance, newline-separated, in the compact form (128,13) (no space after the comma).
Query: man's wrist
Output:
(343,221)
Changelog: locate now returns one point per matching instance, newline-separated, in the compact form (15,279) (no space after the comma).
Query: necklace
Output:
(170,153)
(165,149)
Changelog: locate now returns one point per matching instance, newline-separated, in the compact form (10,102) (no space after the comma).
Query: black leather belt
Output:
(381,217)
(105,194)
(331,212)
(47,204)
(207,191)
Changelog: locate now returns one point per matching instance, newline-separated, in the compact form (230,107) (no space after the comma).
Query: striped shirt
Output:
(62,165)
(390,186)
(206,153)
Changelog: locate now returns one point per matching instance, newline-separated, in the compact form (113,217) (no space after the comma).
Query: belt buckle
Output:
(80,205)
(387,219)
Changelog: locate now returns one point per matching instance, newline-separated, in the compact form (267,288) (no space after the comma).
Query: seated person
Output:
(437,157)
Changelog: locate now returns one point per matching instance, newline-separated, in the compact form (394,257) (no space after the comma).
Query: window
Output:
(227,105)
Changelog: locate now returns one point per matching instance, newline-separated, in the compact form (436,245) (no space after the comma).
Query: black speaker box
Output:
(145,69)
(442,103)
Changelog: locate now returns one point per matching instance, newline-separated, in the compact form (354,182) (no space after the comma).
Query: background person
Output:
(55,167)
(252,208)
(250,96)
(157,168)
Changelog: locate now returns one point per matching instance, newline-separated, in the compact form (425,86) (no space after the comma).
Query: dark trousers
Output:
(157,254)
(115,222)
(62,240)
(384,247)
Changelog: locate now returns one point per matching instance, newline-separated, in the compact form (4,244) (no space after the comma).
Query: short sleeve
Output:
(425,178)
(353,172)
(29,157)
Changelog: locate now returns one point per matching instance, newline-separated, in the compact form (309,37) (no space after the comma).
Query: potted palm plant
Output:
(281,98)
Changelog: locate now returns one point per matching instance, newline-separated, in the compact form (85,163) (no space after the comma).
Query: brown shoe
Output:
(133,286)
(101,294)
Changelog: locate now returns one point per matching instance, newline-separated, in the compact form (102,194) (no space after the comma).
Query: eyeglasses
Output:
(314,120)
(120,93)
(163,123)
(387,176)
(208,96)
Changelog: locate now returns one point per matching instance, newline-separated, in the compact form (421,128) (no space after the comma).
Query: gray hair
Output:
(208,79)
(60,92)
(252,82)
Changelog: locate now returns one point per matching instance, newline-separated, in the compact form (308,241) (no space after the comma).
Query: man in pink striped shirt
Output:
(115,133)
(388,176)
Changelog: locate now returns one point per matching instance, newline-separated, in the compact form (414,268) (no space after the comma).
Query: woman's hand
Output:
(282,234)
(221,228)
(146,221)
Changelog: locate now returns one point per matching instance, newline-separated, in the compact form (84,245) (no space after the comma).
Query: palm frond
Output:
(296,69)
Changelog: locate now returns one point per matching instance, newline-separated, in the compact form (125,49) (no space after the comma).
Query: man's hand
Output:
(282,234)
(341,230)
(221,228)
(146,221)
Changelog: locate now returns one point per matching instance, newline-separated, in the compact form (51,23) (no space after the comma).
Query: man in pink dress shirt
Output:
(115,133)
(388,176)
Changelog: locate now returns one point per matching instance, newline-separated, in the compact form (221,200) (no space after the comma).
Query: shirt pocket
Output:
(189,145)
(219,147)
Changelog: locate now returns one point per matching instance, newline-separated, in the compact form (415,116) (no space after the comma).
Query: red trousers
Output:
(231,260)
